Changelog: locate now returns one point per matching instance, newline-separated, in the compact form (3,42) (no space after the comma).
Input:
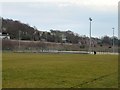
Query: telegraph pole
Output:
(90,35)
(113,40)
(19,39)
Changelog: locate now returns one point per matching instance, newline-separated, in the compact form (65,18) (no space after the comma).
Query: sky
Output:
(65,15)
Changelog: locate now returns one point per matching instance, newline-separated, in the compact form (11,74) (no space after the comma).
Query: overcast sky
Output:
(65,15)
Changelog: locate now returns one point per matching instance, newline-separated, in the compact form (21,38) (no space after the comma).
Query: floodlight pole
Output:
(113,40)
(90,35)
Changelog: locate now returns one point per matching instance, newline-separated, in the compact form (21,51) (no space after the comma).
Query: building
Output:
(64,38)
(4,36)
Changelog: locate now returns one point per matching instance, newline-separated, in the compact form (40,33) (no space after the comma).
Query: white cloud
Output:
(65,14)
(102,5)
(78,2)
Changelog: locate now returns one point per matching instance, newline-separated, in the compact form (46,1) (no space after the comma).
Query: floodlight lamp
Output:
(90,19)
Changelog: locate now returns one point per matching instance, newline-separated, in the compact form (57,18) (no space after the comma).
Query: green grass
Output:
(31,70)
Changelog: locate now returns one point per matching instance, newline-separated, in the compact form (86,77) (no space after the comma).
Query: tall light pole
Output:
(113,40)
(90,35)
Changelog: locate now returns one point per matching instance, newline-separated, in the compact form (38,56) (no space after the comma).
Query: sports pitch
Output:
(35,70)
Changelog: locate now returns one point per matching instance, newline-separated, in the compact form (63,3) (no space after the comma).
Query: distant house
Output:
(4,36)
(64,38)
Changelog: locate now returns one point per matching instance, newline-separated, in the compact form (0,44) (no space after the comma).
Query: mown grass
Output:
(32,70)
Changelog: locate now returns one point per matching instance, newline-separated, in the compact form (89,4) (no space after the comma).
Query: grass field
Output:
(33,70)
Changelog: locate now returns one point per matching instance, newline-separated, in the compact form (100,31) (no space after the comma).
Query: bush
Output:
(82,46)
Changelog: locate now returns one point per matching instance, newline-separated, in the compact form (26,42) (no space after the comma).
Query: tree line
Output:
(18,30)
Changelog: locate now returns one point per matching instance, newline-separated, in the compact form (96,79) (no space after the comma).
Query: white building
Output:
(64,38)
(4,36)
